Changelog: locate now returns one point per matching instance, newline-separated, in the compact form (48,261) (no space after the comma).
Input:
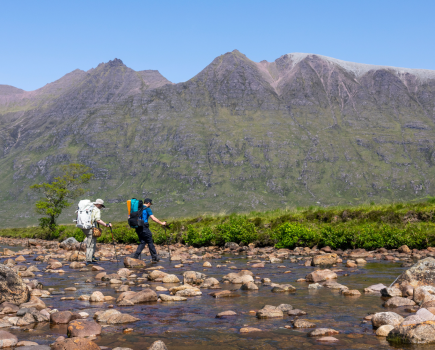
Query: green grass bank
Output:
(368,227)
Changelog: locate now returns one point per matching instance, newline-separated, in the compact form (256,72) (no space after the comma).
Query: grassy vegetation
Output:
(369,227)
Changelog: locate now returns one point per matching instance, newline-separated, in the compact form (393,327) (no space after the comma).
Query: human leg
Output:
(142,243)
(148,238)
(90,244)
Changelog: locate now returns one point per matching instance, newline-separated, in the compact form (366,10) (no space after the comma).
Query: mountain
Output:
(239,136)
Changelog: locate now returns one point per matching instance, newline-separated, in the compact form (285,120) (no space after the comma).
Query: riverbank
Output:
(368,227)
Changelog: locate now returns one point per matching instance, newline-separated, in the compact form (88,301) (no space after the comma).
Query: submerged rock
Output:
(83,328)
(75,344)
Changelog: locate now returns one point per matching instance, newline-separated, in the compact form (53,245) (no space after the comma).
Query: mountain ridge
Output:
(240,135)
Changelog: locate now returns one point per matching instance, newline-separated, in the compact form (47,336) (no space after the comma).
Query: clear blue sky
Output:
(43,40)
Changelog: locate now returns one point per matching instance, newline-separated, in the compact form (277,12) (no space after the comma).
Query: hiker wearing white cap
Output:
(91,241)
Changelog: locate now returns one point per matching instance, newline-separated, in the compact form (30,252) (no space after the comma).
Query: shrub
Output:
(199,239)
(289,235)
(238,229)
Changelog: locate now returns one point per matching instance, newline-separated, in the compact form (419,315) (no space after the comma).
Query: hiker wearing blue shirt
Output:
(144,233)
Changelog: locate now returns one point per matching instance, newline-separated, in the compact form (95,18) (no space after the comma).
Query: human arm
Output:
(101,222)
(157,220)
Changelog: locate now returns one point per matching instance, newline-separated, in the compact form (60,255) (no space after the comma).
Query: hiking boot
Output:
(95,259)
(89,263)
(95,262)
(155,259)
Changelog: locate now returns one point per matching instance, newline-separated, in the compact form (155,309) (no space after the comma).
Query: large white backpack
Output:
(84,214)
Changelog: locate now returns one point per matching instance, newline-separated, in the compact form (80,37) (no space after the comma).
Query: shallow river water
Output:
(192,324)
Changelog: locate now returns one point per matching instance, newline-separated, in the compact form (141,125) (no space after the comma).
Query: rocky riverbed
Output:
(214,298)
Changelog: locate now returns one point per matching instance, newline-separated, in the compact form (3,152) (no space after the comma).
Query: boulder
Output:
(249,286)
(143,296)
(284,307)
(7,340)
(391,292)
(359,253)
(398,301)
(156,275)
(324,259)
(158,345)
(269,311)
(193,277)
(97,297)
(191,292)
(8,308)
(424,294)
(74,344)
(404,249)
(232,245)
(83,328)
(209,283)
(226,314)
(422,273)
(34,302)
(383,331)
(167,298)
(282,288)
(422,333)
(124,272)
(224,294)
(322,332)
(131,262)
(121,318)
(351,293)
(301,323)
(68,242)
(321,275)
(12,287)
(170,279)
(63,317)
(76,265)
(375,288)
(386,318)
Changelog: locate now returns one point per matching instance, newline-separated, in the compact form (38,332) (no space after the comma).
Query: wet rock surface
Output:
(259,291)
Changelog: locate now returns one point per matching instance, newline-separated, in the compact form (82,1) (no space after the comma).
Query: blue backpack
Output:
(135,220)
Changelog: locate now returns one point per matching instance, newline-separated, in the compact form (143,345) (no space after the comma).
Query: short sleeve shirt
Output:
(146,214)
(96,214)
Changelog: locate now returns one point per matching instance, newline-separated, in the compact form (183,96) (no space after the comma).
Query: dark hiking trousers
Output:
(145,237)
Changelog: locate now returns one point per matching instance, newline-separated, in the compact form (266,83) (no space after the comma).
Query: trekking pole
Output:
(168,242)
(113,241)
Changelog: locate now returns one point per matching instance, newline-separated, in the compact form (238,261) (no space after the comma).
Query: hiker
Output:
(144,233)
(91,241)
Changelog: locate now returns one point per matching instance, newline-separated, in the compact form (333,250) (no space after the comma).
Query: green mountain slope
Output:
(238,136)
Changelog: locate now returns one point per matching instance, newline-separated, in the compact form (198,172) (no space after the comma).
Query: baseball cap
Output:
(148,200)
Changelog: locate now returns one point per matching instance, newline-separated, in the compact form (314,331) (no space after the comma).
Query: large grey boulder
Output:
(414,333)
(421,274)
(12,288)
(68,242)
(383,318)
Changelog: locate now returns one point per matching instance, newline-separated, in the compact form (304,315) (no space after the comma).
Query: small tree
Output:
(58,193)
